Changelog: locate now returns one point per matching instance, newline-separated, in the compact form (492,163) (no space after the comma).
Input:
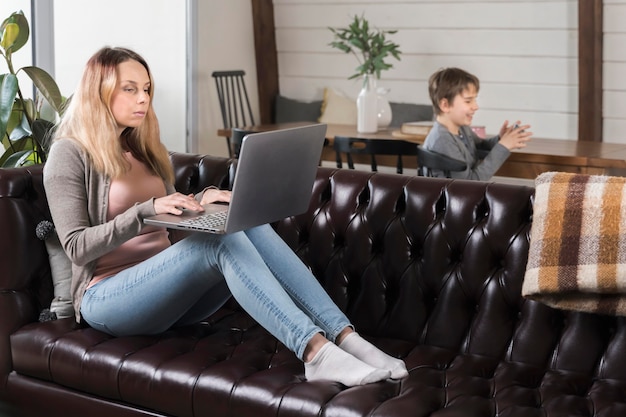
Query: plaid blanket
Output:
(577,254)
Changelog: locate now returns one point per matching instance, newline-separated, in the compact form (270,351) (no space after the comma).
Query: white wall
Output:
(523,52)
(225,42)
(156,29)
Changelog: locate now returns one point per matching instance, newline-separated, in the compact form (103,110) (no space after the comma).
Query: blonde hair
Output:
(89,120)
(447,83)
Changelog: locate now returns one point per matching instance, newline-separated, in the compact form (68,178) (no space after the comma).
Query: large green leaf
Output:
(21,131)
(46,86)
(8,91)
(18,159)
(21,147)
(19,19)
(16,117)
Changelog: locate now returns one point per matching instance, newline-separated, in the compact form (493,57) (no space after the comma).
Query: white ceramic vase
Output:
(367,106)
(384,108)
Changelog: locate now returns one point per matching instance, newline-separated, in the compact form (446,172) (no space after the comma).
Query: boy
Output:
(453,92)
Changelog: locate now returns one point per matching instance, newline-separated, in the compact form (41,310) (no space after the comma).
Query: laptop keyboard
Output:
(207,221)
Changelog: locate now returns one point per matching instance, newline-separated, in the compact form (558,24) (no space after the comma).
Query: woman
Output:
(108,170)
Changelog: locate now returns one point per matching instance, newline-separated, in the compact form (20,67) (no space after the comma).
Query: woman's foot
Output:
(361,349)
(332,363)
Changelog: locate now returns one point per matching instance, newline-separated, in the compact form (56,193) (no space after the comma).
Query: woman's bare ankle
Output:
(345,332)
(314,346)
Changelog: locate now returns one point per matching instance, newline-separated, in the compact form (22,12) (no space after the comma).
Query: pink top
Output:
(137,185)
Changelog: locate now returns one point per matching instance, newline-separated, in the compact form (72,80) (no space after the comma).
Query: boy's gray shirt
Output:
(442,141)
(72,184)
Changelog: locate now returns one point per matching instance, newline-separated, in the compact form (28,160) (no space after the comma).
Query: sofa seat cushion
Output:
(231,366)
(163,372)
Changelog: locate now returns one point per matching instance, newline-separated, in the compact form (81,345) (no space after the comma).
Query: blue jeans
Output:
(193,278)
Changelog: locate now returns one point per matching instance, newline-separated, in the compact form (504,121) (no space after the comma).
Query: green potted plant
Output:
(24,125)
(371,48)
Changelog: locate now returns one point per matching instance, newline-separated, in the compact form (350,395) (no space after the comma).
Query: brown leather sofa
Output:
(429,269)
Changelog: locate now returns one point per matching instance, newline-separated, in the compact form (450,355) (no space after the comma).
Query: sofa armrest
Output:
(25,280)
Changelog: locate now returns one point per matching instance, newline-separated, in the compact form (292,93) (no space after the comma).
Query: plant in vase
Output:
(25,124)
(371,48)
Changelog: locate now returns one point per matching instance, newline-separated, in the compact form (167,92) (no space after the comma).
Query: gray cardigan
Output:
(441,140)
(78,199)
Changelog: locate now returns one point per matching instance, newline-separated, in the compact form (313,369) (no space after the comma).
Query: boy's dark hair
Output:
(448,83)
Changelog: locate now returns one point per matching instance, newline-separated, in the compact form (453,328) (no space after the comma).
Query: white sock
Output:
(334,364)
(360,348)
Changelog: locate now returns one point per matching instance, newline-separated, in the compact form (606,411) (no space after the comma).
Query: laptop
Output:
(273,180)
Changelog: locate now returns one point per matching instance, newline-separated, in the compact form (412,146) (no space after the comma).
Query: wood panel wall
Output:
(613,71)
(529,44)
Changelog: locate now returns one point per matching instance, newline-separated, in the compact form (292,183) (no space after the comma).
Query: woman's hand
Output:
(213,195)
(175,203)
(516,136)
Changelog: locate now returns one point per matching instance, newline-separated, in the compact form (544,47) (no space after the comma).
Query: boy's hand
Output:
(514,137)
(504,129)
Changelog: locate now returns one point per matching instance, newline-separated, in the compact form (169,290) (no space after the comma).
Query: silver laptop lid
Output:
(274,176)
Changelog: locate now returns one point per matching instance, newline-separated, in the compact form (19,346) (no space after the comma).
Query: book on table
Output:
(416,128)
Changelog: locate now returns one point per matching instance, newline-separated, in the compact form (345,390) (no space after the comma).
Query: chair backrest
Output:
(233,99)
(372,147)
(429,161)
(236,138)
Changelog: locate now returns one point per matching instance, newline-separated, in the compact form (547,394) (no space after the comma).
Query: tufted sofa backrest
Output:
(440,262)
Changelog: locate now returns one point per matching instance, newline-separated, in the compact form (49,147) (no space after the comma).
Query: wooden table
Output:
(541,155)
(332,131)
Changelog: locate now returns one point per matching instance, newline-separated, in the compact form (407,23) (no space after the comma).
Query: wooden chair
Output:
(372,147)
(429,161)
(234,101)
